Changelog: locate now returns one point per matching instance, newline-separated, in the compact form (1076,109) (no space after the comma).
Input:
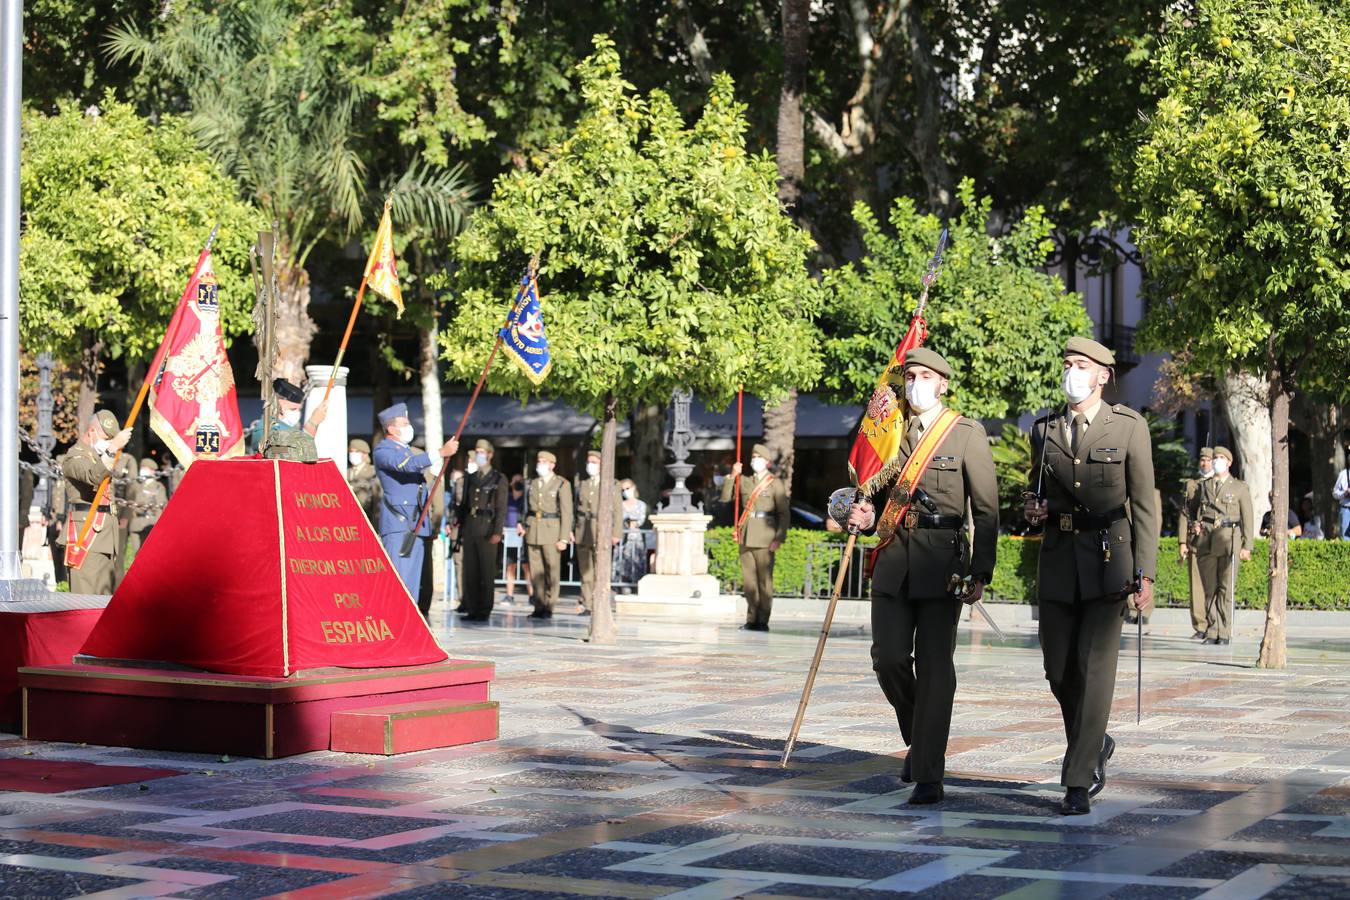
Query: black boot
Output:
(926,793)
(905,775)
(1099,773)
(1076,802)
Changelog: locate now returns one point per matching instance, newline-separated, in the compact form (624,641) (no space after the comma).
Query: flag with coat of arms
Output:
(523,335)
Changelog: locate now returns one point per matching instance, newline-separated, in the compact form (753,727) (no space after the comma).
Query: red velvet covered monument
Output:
(267,573)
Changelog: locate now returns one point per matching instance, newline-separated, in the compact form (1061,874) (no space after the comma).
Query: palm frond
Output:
(438,199)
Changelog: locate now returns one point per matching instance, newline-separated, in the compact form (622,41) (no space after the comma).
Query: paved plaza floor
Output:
(650,769)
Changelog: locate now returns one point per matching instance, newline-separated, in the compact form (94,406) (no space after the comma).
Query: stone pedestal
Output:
(679,581)
(331,440)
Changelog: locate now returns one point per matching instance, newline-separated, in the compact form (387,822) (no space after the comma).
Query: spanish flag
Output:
(381,273)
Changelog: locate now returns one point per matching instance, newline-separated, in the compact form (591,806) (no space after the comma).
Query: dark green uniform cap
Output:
(1094,351)
(762,450)
(1224,452)
(922,356)
(108,423)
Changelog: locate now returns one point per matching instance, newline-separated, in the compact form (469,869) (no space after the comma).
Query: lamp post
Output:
(678,441)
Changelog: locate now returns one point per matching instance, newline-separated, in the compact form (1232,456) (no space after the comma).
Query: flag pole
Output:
(150,378)
(736,489)
(351,321)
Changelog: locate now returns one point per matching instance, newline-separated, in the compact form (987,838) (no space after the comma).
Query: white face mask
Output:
(543,470)
(480,459)
(593,469)
(758,464)
(628,493)
(1220,466)
(471,468)
(291,417)
(921,395)
(101,446)
(147,474)
(405,434)
(1078,384)
(355,458)
(718,479)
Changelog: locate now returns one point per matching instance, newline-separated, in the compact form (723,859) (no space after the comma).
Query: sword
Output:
(1139,652)
(998,632)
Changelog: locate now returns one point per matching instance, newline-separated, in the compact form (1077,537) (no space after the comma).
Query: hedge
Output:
(1319,571)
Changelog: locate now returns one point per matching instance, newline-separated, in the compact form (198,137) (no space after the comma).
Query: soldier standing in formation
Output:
(362,478)
(918,582)
(1220,505)
(400,472)
(584,538)
(85,466)
(1099,553)
(761,530)
(482,516)
(547,523)
(149,495)
(1199,624)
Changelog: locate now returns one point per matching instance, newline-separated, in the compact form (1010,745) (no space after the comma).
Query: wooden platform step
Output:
(406,727)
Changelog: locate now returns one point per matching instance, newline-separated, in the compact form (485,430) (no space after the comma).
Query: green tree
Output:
(115,211)
(1243,184)
(666,264)
(994,313)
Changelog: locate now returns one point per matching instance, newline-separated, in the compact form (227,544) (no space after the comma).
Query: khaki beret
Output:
(1207,451)
(359,446)
(1224,452)
(108,422)
(593,454)
(1094,351)
(483,444)
(149,463)
(922,356)
(548,457)
(761,450)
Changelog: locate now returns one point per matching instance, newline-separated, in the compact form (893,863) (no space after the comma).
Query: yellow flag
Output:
(381,274)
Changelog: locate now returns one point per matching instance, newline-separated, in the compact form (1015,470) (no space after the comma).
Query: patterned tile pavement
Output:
(650,769)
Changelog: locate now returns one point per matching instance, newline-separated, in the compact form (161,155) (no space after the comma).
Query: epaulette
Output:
(1122,409)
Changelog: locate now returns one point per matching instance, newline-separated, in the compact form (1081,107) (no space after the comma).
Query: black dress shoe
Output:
(477,617)
(1199,636)
(1076,802)
(926,793)
(905,774)
(538,614)
(1099,773)
(1222,641)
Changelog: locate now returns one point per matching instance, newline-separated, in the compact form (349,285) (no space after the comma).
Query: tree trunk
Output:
(1273,643)
(791,130)
(1246,403)
(925,140)
(780,433)
(602,621)
(649,452)
(89,365)
(295,329)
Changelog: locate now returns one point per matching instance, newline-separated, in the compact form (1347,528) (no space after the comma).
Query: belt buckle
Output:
(1066,521)
(911,520)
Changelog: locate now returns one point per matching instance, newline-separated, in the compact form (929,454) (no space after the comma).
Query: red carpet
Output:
(51,776)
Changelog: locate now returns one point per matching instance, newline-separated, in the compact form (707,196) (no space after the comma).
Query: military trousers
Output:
(96,576)
(545,575)
(480,576)
(586,559)
(1199,622)
(409,568)
(1216,560)
(912,646)
(1080,644)
(757,584)
(134,541)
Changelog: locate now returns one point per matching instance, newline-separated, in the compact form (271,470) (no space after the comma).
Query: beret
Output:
(931,359)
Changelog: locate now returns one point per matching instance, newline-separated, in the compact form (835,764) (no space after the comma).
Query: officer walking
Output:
(918,579)
(587,493)
(1199,624)
(1221,506)
(546,525)
(85,466)
(761,530)
(482,516)
(1098,462)
(149,495)
(399,468)
(361,476)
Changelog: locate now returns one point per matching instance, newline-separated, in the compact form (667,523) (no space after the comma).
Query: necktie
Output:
(1077,425)
(912,436)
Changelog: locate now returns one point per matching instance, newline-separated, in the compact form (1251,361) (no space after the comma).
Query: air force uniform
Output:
(399,468)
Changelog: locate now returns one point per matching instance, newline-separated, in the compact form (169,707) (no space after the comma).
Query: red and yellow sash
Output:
(750,505)
(901,494)
(75,551)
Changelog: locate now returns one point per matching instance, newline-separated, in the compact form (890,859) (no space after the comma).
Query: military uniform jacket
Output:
(1112,470)
(548,510)
(482,509)
(587,493)
(768,521)
(925,559)
(84,470)
(1184,517)
(1218,506)
(365,485)
(147,493)
(399,468)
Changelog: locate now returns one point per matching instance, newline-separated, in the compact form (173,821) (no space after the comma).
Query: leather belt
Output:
(763,515)
(928,520)
(544,515)
(1090,521)
(79,506)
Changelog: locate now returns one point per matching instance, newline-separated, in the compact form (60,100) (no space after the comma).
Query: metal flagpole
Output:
(11,96)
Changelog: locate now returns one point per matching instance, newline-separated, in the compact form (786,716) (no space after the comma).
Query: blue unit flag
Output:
(524,336)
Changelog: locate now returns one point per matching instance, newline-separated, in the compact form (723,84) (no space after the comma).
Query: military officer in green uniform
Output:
(545,525)
(85,466)
(918,580)
(362,478)
(1221,526)
(149,495)
(1099,553)
(1199,624)
(585,537)
(482,516)
(761,530)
